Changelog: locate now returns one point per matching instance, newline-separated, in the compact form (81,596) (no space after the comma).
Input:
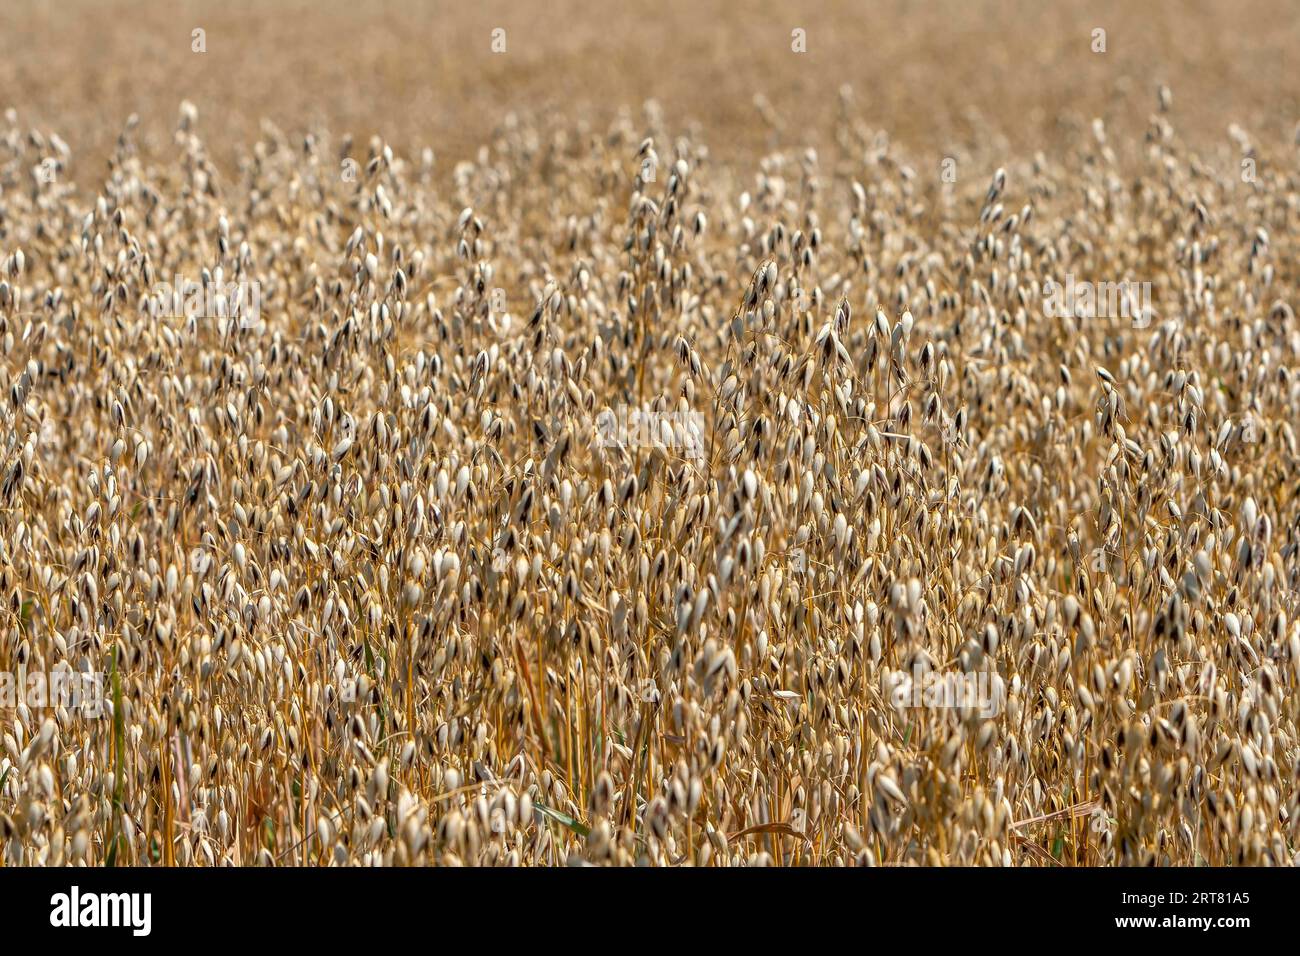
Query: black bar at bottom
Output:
(478,908)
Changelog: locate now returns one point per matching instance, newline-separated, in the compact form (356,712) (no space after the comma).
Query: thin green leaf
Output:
(563,818)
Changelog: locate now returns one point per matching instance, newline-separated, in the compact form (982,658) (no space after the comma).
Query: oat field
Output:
(556,437)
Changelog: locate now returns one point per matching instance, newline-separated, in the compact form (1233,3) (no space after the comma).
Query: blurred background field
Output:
(423,74)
